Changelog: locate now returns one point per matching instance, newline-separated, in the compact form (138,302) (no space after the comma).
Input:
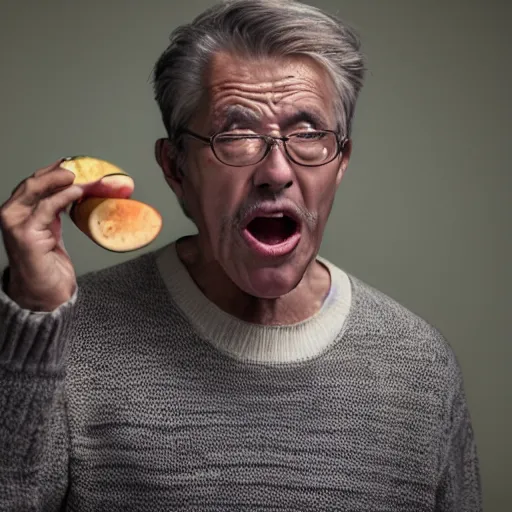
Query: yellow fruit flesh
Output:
(117,224)
(89,169)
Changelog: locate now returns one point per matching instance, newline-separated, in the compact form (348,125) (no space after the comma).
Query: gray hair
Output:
(259,28)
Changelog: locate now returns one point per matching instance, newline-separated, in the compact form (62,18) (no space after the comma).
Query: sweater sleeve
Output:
(34,441)
(459,487)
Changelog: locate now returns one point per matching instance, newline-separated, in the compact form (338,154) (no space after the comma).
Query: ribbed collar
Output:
(255,342)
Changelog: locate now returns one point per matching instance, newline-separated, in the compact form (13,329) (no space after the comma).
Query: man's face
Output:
(266,257)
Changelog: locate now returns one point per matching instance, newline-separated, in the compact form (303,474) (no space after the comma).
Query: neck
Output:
(302,302)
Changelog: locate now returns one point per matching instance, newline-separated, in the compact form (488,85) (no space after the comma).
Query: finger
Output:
(36,188)
(49,208)
(38,173)
(49,168)
(19,208)
(108,186)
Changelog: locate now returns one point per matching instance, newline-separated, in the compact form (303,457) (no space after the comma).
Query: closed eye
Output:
(313,135)
(232,137)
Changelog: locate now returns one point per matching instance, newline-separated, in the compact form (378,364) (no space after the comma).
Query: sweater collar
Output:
(252,342)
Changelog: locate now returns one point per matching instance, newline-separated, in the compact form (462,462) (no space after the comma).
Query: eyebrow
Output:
(316,120)
(236,115)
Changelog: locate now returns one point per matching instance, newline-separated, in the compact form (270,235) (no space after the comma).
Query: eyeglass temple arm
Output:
(207,140)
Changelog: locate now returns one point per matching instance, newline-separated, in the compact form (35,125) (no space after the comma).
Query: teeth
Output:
(276,215)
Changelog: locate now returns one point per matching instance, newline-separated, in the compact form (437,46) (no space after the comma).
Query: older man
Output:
(234,369)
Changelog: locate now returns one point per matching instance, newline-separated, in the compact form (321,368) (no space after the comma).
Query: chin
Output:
(271,264)
(270,282)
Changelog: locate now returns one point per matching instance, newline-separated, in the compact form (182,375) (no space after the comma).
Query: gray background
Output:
(424,211)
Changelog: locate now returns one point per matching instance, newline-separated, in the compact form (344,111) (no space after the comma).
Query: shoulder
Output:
(139,273)
(121,311)
(130,286)
(403,338)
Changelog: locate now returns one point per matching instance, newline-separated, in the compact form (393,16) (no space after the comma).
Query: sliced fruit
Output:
(105,213)
(117,224)
(98,177)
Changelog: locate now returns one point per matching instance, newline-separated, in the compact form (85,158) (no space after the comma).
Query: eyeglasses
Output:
(307,148)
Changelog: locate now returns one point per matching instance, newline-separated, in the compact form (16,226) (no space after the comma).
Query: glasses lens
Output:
(312,148)
(239,149)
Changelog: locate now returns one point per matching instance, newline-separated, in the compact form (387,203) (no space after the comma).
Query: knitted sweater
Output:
(140,394)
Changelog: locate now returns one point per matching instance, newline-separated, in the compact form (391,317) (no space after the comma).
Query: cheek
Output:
(319,191)
(214,195)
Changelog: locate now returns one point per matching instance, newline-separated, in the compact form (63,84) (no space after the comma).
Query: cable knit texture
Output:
(131,398)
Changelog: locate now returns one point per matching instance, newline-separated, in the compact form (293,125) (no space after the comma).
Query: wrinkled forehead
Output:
(275,91)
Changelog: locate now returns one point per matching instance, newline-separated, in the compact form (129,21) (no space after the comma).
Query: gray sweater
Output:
(140,394)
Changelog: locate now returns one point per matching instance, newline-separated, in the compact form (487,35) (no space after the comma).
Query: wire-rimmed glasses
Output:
(311,148)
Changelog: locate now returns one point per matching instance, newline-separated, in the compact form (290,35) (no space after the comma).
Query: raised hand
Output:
(41,274)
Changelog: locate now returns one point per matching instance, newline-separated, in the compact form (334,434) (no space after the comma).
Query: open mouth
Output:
(273,230)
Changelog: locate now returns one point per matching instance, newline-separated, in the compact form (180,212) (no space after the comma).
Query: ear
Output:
(166,158)
(345,157)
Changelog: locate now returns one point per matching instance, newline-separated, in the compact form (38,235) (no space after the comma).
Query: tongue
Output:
(271,231)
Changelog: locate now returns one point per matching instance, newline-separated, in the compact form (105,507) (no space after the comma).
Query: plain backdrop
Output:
(423,213)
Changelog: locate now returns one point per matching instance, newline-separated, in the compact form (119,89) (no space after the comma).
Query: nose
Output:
(274,173)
